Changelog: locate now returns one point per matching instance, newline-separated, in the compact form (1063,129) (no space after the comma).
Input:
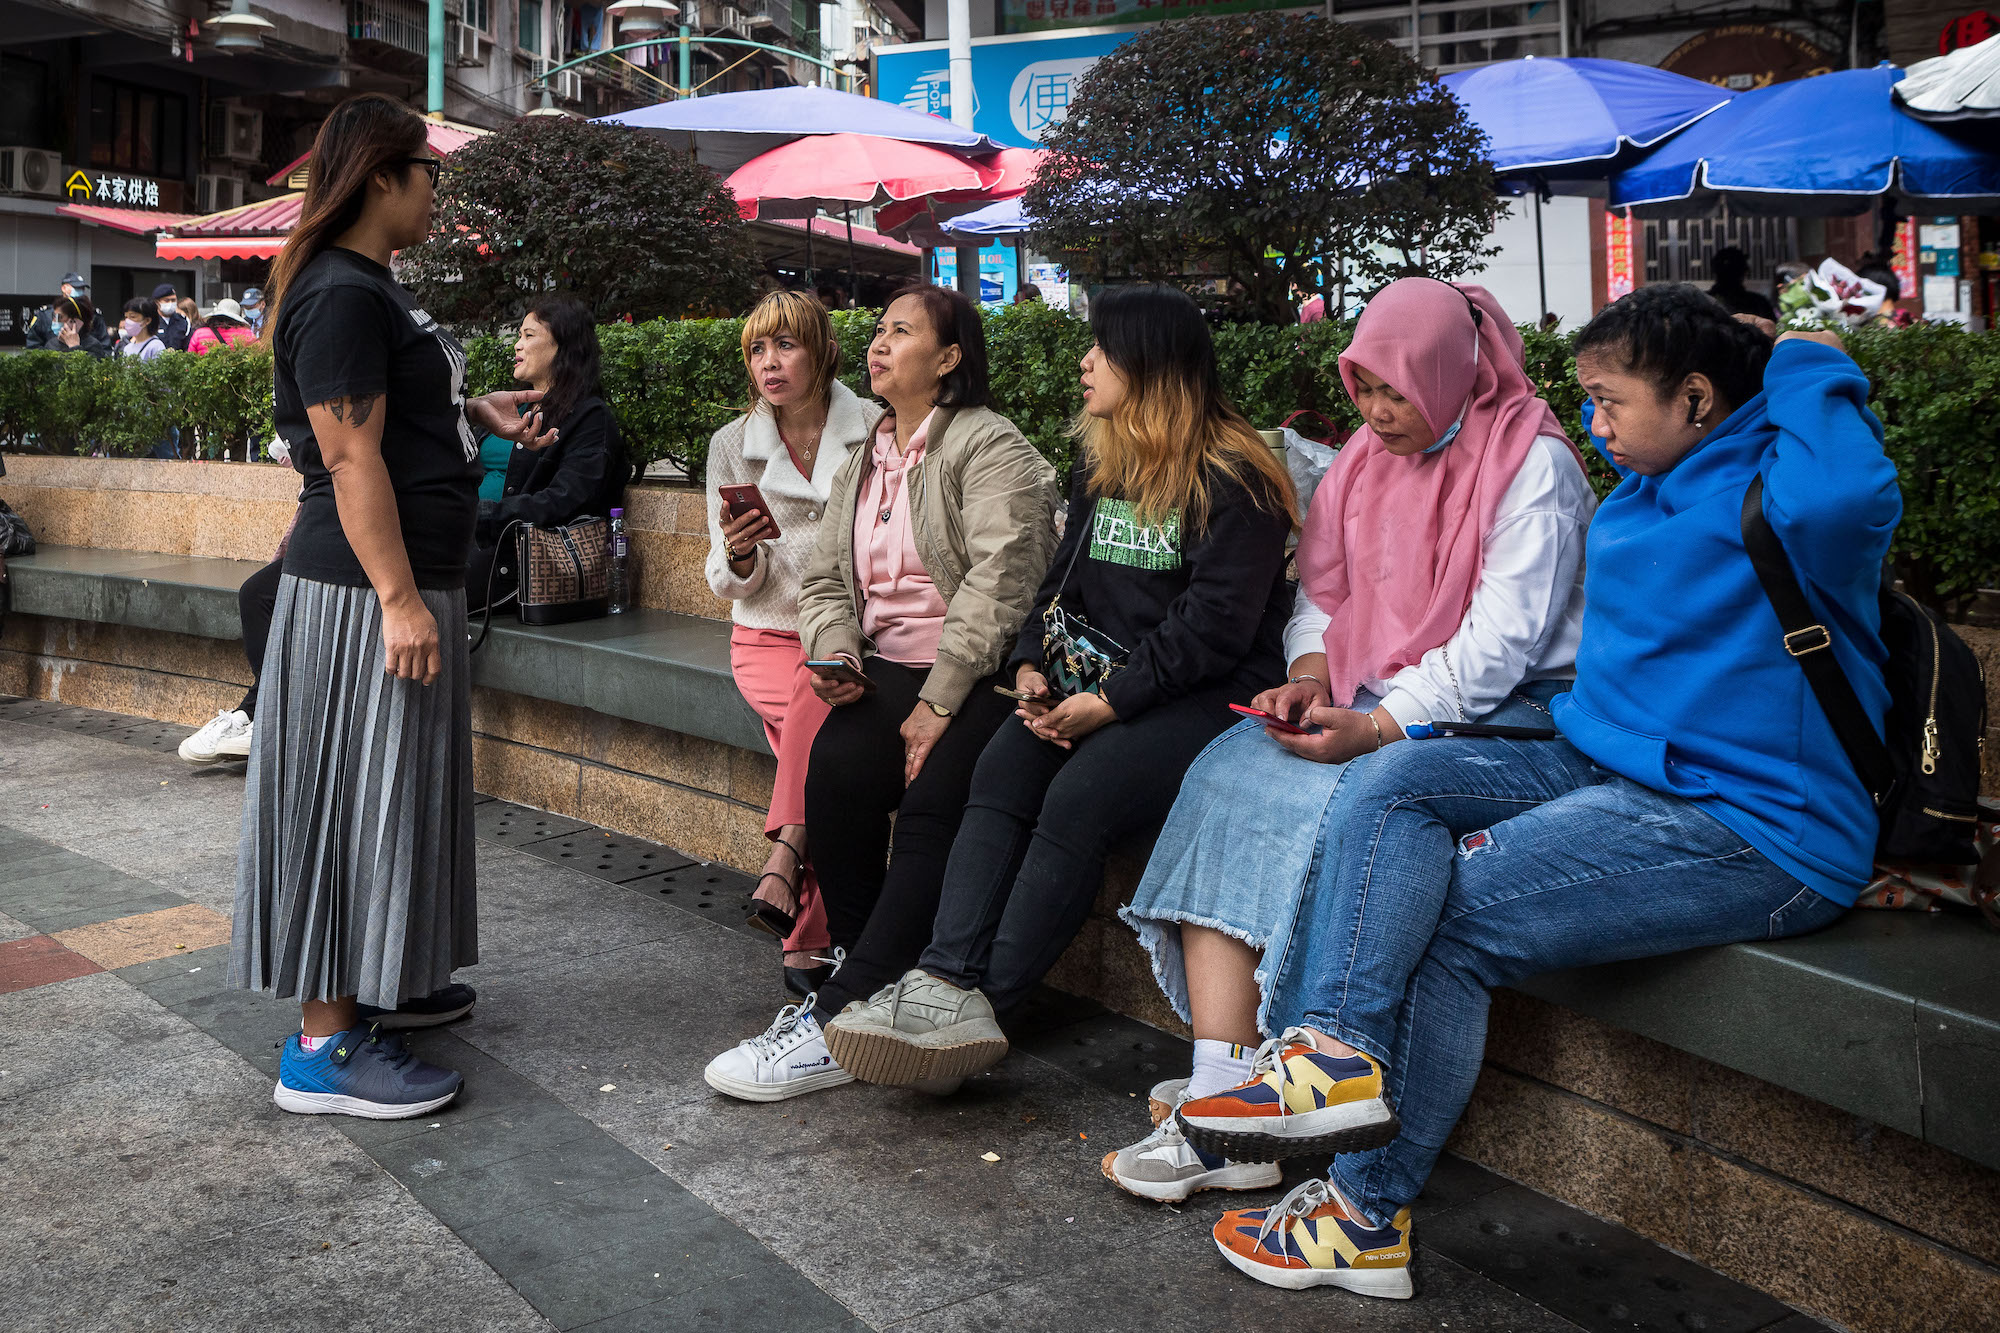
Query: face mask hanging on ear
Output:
(1451,431)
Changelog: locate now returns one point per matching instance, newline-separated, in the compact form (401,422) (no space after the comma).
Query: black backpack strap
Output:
(1811,646)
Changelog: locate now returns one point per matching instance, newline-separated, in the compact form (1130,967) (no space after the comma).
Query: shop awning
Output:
(833,229)
(444,137)
(251,231)
(137,221)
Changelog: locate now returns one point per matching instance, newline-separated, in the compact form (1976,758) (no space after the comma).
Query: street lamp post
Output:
(958,37)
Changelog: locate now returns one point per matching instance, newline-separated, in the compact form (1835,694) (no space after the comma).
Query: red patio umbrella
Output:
(915,220)
(800,178)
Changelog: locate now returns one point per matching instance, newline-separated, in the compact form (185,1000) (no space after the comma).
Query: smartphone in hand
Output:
(747,499)
(1026,697)
(834,668)
(1273,721)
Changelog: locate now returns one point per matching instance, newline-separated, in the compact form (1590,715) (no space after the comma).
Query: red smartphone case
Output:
(746,499)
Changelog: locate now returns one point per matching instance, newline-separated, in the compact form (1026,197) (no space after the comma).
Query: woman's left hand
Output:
(1344,734)
(1073,719)
(500,414)
(921,732)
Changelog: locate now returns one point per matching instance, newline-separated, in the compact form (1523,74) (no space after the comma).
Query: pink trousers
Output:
(770,669)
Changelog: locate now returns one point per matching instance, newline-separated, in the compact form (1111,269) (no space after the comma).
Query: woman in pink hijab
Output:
(1441,578)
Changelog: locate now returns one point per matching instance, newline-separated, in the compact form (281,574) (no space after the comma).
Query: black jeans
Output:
(881,892)
(1030,854)
(256,603)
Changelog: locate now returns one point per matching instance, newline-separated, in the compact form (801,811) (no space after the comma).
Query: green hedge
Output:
(674,383)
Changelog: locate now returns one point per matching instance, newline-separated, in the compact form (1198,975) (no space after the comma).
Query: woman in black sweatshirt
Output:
(1165,604)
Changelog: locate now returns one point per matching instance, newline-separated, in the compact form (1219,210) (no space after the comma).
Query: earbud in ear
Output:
(1694,408)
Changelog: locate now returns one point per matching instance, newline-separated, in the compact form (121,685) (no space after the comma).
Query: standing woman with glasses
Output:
(354,888)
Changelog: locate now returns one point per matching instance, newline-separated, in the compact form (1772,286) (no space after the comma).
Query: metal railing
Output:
(403,24)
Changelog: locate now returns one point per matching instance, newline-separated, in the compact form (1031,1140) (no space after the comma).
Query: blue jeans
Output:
(1466,864)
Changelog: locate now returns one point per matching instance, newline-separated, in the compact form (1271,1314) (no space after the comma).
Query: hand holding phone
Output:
(744,502)
(835,668)
(1273,721)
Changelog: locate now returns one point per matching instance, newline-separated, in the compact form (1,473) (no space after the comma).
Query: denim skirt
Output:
(1240,843)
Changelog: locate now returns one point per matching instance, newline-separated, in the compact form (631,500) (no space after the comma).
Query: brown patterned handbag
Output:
(565,572)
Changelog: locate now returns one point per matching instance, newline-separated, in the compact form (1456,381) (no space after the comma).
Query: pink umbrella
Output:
(916,219)
(840,170)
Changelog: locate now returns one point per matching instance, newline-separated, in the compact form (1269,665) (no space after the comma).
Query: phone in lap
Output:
(1026,697)
(747,499)
(1273,721)
(833,668)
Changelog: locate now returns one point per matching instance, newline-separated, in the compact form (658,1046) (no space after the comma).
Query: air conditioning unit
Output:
(464,45)
(213,193)
(31,171)
(569,86)
(732,17)
(235,132)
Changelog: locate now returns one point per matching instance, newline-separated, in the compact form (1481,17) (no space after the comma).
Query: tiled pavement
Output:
(587,1178)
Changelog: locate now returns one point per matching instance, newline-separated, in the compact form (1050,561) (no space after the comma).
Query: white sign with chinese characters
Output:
(1040,97)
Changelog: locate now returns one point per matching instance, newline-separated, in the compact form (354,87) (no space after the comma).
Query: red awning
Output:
(251,231)
(445,137)
(833,229)
(138,221)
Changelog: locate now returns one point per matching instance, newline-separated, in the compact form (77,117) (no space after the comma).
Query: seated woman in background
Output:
(939,534)
(583,474)
(1697,794)
(224,328)
(1173,565)
(797,434)
(1441,573)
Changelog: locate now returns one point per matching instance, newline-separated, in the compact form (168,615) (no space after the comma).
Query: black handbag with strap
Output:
(1923,772)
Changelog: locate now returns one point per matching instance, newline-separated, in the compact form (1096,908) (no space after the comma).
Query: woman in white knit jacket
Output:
(800,427)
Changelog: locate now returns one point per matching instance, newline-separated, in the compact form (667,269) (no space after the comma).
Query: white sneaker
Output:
(1166,1167)
(788,1059)
(916,1032)
(224,736)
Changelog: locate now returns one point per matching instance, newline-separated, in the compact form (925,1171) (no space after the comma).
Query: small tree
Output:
(612,215)
(1281,152)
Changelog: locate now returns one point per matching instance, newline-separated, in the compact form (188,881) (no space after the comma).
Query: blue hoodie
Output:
(1682,680)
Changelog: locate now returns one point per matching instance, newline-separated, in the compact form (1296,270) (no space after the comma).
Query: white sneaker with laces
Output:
(224,736)
(1164,1166)
(787,1059)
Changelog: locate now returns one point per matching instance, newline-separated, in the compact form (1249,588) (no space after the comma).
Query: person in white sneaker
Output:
(787,1059)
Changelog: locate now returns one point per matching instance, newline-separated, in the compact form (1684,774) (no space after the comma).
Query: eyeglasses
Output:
(430,165)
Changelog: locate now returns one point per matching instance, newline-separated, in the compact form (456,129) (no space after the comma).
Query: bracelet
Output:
(1296,679)
(1378,730)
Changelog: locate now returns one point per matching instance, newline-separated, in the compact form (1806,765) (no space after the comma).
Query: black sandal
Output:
(769,917)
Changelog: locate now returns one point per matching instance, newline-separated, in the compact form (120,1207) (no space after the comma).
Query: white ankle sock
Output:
(1218,1065)
(311,1044)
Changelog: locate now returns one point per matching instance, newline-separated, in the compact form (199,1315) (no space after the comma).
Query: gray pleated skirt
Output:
(355,871)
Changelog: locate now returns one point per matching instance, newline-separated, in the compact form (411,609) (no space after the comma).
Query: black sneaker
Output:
(453,1002)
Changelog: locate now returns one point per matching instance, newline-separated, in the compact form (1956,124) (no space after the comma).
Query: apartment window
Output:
(24,103)
(479,15)
(530,39)
(137,129)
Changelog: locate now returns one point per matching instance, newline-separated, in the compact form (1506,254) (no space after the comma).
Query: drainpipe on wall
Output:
(434,83)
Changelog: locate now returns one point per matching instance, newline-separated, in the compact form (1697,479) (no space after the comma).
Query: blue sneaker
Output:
(361,1072)
(453,1002)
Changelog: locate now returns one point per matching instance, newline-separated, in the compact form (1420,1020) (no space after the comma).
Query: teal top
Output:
(494,455)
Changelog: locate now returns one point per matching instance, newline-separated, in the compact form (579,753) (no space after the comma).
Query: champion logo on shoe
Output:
(820,1063)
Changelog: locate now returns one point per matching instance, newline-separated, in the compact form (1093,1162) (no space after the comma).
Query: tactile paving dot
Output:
(503,821)
(26,710)
(709,889)
(607,856)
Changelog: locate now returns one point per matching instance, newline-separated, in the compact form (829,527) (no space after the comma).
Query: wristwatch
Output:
(939,709)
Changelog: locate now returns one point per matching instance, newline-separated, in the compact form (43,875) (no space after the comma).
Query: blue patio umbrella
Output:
(1003,218)
(728,129)
(1559,125)
(1817,147)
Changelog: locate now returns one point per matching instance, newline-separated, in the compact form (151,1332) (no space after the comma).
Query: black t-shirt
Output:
(347,329)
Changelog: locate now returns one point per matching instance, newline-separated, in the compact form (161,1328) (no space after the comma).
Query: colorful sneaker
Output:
(1165,1096)
(453,1002)
(919,1031)
(1164,1166)
(362,1072)
(787,1059)
(1298,1103)
(1313,1238)
(224,736)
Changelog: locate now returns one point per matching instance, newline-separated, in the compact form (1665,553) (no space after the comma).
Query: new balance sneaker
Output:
(1165,1096)
(1298,1103)
(1314,1238)
(919,1031)
(1166,1167)
(363,1072)
(787,1059)
(224,736)
(453,1002)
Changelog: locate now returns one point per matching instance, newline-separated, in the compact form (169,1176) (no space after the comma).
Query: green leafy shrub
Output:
(672,383)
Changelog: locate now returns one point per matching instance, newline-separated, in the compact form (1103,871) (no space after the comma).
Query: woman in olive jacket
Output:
(935,541)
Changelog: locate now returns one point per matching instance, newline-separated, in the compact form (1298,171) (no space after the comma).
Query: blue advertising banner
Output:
(1020,85)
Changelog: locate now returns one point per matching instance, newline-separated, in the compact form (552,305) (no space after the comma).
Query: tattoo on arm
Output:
(353,411)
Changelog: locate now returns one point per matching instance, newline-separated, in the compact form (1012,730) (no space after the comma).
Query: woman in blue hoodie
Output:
(1697,795)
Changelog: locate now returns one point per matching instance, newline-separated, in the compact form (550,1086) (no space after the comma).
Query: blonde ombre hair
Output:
(1174,425)
(802,316)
